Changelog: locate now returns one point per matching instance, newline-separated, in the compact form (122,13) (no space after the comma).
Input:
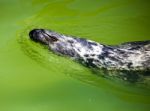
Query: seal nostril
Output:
(33,34)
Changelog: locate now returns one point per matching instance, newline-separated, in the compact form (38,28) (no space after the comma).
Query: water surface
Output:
(34,79)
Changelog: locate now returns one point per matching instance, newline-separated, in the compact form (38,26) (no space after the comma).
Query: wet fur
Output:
(129,61)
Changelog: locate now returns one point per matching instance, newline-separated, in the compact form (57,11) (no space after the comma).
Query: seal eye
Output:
(53,39)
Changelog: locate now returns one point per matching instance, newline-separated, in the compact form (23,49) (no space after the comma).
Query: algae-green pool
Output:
(34,79)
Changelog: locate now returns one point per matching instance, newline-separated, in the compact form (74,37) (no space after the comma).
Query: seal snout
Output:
(38,35)
(34,34)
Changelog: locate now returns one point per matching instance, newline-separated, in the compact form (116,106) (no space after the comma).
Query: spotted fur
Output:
(127,58)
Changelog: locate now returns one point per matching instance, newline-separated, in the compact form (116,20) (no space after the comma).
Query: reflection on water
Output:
(33,78)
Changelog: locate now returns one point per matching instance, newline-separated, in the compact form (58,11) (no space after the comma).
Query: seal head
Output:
(42,36)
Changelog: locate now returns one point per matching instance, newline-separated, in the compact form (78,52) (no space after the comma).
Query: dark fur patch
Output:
(101,57)
(92,43)
(129,64)
(92,54)
(90,62)
(86,55)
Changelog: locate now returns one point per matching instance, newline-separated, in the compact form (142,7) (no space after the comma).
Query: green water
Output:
(34,79)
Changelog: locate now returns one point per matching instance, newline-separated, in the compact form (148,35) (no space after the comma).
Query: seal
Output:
(131,59)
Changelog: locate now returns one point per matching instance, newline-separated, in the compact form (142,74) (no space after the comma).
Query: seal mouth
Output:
(42,36)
